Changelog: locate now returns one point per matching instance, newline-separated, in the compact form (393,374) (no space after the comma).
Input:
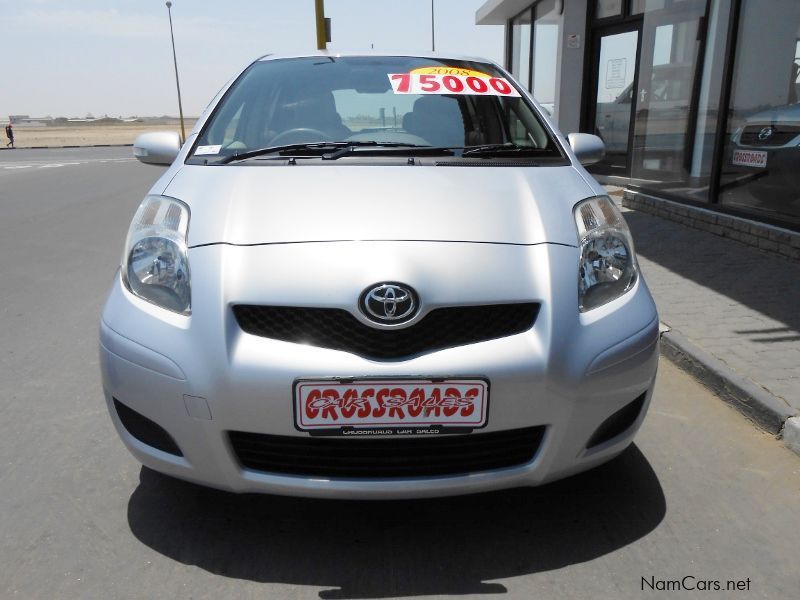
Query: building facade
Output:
(696,100)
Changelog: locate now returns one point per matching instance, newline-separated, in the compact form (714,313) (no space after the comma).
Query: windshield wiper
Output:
(351,146)
(328,150)
(499,150)
(319,147)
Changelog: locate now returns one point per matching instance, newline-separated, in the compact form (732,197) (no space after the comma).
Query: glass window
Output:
(705,130)
(608,8)
(676,99)
(668,78)
(521,31)
(762,146)
(614,97)
(325,99)
(546,42)
(640,6)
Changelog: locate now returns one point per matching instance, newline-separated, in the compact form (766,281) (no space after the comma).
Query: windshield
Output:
(403,102)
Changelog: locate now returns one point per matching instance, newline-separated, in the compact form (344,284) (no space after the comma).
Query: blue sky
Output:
(114,57)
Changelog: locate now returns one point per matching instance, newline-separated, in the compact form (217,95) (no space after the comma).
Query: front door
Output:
(611,112)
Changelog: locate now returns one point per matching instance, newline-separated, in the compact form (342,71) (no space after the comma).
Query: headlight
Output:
(607,268)
(155,265)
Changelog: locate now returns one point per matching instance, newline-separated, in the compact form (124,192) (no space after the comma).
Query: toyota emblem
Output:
(389,303)
(765,134)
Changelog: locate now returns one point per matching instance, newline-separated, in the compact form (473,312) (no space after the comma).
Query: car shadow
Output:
(765,283)
(381,549)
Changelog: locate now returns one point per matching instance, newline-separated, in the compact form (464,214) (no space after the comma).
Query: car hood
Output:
(789,113)
(246,205)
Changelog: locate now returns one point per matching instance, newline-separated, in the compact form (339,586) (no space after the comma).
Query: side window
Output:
(523,128)
(230,134)
(519,134)
(221,131)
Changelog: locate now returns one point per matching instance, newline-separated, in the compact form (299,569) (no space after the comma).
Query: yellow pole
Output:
(321,36)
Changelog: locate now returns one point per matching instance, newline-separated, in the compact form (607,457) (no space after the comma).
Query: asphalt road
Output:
(701,495)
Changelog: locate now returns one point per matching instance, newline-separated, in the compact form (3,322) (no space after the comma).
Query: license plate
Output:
(390,406)
(750,158)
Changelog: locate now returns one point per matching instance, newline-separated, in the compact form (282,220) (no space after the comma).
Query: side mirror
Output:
(588,148)
(157,147)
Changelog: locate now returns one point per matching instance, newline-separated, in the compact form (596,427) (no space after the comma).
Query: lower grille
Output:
(339,330)
(617,423)
(386,457)
(146,431)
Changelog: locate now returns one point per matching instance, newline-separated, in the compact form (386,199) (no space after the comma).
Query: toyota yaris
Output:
(370,276)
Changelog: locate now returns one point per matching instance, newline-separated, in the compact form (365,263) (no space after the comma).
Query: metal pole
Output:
(319,6)
(175,61)
(433,30)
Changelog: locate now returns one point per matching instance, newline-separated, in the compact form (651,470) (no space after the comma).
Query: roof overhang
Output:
(498,12)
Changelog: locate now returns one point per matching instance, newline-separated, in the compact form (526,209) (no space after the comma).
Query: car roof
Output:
(378,53)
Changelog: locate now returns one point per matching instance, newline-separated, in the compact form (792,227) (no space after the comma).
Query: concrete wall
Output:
(570,66)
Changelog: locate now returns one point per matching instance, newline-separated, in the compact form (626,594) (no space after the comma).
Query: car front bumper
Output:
(201,377)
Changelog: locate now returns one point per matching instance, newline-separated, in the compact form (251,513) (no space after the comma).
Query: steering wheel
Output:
(298,135)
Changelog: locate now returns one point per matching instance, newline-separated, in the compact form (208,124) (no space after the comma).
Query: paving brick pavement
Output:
(736,303)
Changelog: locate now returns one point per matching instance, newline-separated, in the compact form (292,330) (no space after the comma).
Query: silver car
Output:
(371,276)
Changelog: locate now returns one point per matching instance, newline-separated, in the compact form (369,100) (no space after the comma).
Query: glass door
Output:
(668,69)
(615,83)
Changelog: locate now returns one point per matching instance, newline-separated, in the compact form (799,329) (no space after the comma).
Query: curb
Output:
(61,147)
(757,404)
(791,434)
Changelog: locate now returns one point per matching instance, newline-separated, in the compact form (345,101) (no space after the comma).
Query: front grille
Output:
(782,135)
(386,457)
(339,330)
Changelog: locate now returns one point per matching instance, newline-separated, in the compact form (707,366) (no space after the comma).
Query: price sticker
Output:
(446,80)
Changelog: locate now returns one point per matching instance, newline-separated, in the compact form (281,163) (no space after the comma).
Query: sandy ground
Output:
(87,135)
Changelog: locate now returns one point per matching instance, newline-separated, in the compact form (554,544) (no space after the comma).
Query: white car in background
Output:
(765,152)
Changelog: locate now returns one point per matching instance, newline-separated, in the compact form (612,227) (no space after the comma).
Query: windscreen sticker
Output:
(442,70)
(451,80)
(207,150)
